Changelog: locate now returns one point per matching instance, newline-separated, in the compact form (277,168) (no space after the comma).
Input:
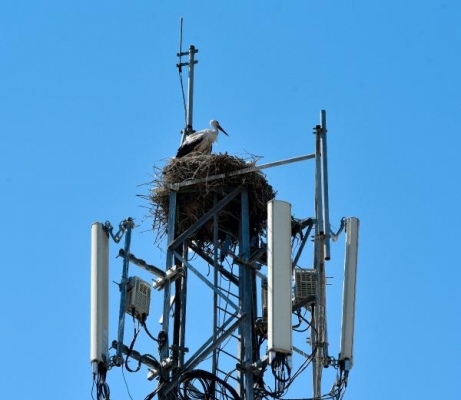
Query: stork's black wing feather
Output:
(188,147)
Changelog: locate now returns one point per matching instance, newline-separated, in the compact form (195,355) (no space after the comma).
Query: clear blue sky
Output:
(90,101)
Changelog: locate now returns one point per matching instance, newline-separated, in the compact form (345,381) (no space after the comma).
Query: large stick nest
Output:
(194,200)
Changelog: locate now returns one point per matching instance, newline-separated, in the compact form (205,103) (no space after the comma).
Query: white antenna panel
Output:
(99,351)
(279,277)
(350,278)
(138,298)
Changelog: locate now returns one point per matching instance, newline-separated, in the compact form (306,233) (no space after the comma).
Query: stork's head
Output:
(215,125)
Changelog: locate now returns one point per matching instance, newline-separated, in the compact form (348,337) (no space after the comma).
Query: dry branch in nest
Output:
(194,200)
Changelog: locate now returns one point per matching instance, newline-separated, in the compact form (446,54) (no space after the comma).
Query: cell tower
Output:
(256,298)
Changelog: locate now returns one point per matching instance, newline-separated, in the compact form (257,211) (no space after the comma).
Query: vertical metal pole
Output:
(179,314)
(326,207)
(215,283)
(240,350)
(175,350)
(326,227)
(183,297)
(128,225)
(318,182)
(319,266)
(190,93)
(246,296)
(320,311)
(164,349)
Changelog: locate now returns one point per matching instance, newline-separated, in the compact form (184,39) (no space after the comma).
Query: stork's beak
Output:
(222,130)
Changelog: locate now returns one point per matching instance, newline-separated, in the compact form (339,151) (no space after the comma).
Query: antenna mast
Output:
(190,82)
(257,285)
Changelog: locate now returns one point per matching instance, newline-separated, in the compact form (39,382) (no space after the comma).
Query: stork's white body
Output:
(200,142)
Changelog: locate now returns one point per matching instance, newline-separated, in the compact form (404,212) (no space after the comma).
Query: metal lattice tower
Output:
(230,360)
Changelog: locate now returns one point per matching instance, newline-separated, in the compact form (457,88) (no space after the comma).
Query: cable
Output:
(211,384)
(183,94)
(301,319)
(126,383)
(282,373)
(103,391)
(190,383)
(283,384)
(143,324)
(339,388)
(93,385)
(278,366)
(303,367)
(337,392)
(99,382)
(136,333)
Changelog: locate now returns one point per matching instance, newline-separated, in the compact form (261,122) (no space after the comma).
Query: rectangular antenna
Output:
(99,352)
(350,278)
(279,277)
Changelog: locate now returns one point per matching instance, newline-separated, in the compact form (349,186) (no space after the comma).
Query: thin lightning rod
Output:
(180,38)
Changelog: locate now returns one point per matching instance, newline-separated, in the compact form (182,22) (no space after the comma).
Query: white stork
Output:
(201,142)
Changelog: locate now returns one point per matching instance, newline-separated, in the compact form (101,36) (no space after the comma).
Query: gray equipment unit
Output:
(305,285)
(138,298)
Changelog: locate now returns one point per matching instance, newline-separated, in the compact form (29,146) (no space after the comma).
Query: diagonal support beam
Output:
(223,203)
(210,261)
(212,344)
(303,243)
(206,281)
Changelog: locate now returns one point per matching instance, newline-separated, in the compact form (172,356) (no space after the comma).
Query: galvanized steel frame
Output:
(245,311)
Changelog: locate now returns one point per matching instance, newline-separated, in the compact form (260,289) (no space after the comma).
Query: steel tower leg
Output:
(246,298)
(214,364)
(320,342)
(164,347)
